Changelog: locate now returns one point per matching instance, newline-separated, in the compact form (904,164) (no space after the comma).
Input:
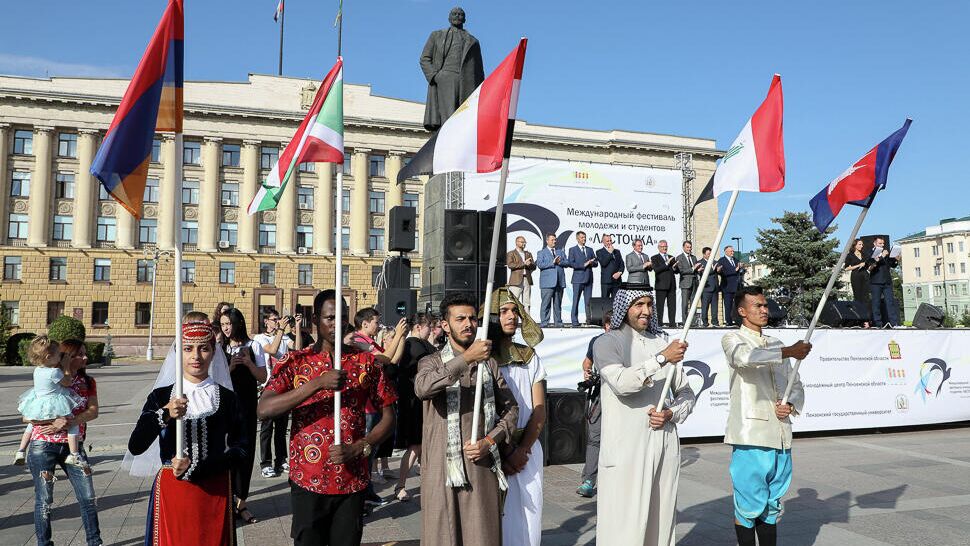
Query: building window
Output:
(12,310)
(304,274)
(347,163)
(415,277)
(229,232)
(954,309)
(11,268)
(230,194)
(148,231)
(953,290)
(952,268)
(20,184)
(949,248)
(345,202)
(267,273)
(344,239)
(375,165)
(99,313)
(151,191)
(376,202)
(411,199)
(937,290)
(304,196)
(936,270)
(919,292)
(304,236)
(375,274)
(963,267)
(102,269)
(308,167)
(63,228)
(54,310)
(267,234)
(23,142)
(919,272)
(961,246)
(17,226)
(64,185)
(230,155)
(227,272)
(103,193)
(345,275)
(190,192)
(188,271)
(67,145)
(156,150)
(936,250)
(375,241)
(191,153)
(916,252)
(143,313)
(145,270)
(190,233)
(57,270)
(107,229)
(268,156)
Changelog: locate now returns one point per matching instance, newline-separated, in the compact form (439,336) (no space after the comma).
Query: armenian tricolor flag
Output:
(153,102)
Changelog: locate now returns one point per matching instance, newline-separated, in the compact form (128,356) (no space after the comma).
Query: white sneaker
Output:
(268,472)
(20,459)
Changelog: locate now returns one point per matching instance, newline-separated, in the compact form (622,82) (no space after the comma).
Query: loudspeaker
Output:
(486,224)
(566,442)
(501,277)
(844,314)
(928,317)
(462,277)
(597,306)
(402,224)
(461,236)
(397,273)
(396,303)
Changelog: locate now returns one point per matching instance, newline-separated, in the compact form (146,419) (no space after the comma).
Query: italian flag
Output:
(756,159)
(320,139)
(478,135)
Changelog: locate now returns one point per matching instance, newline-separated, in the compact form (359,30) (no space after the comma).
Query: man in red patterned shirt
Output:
(327,481)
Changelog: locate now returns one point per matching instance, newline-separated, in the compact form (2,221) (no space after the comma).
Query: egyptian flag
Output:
(756,159)
(279,11)
(478,135)
(859,183)
(153,102)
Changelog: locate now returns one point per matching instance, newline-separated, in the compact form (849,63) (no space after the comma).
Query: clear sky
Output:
(852,72)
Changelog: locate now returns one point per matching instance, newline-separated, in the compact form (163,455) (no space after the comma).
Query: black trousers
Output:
(272,437)
(608,290)
(326,520)
(668,299)
(728,307)
(709,302)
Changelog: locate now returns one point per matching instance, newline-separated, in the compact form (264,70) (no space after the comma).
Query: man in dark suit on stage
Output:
(732,275)
(689,269)
(881,284)
(552,280)
(582,259)
(611,268)
(664,284)
(709,294)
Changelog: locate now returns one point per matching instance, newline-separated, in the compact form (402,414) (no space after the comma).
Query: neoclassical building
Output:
(68,248)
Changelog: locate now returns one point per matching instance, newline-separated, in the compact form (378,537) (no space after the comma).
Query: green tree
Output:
(801,261)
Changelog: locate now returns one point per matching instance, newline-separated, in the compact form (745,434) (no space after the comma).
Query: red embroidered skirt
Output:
(198,513)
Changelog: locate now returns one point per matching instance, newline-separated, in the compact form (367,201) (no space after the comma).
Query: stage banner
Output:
(853,379)
(563,197)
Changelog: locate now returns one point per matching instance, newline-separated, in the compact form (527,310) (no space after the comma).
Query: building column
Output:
(247,224)
(210,210)
(395,191)
(85,189)
(168,194)
(4,180)
(359,209)
(323,209)
(286,215)
(39,217)
(125,224)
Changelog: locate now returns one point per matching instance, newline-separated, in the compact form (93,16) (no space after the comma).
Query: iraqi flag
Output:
(478,135)
(319,139)
(756,159)
(859,183)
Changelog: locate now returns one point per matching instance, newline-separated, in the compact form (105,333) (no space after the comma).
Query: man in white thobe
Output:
(640,467)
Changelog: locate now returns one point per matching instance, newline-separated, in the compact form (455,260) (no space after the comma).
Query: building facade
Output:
(68,248)
(935,264)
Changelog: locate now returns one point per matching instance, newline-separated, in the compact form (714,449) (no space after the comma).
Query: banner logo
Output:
(902,403)
(894,353)
(699,369)
(932,374)
(896,376)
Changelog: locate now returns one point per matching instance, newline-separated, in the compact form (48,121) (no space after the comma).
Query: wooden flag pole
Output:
(689,318)
(492,256)
(180,422)
(836,271)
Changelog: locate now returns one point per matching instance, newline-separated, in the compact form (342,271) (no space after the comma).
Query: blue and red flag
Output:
(859,183)
(153,102)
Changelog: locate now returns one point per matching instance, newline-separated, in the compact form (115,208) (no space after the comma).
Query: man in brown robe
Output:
(461,481)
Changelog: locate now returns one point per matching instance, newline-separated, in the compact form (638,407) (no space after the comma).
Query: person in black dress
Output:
(247,373)
(409,410)
(855,263)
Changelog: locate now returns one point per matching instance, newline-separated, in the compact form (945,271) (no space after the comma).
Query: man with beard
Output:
(639,471)
(461,481)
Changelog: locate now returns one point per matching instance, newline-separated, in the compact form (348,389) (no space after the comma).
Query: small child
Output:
(50,398)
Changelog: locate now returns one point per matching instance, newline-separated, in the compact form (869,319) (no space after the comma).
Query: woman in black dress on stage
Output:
(856,263)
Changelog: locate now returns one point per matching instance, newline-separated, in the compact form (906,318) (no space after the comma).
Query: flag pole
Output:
(708,268)
(180,422)
(282,20)
(836,271)
(338,338)
(493,253)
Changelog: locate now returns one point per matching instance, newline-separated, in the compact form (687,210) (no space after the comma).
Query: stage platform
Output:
(854,378)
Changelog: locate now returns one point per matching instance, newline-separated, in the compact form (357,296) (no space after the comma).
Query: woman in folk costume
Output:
(522,454)
(191,499)
(640,469)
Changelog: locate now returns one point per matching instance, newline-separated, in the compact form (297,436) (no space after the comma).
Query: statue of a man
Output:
(452,63)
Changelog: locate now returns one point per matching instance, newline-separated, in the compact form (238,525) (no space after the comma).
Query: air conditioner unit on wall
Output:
(227,202)
(301,250)
(304,206)
(223,244)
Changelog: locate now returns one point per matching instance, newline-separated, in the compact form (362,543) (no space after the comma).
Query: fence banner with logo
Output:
(853,379)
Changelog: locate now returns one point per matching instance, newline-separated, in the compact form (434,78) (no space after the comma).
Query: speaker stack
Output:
(395,298)
(844,314)
(565,431)
(928,317)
